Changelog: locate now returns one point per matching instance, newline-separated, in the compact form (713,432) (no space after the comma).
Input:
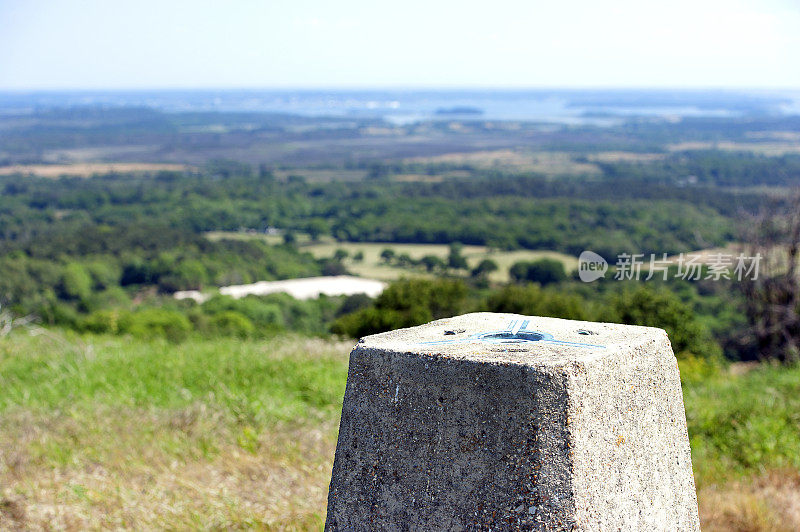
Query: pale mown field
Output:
(104,432)
(543,162)
(374,267)
(87,169)
(780,146)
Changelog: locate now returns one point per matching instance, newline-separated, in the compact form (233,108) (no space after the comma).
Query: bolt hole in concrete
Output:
(516,332)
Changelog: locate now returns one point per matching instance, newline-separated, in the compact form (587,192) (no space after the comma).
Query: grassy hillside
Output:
(102,432)
(99,432)
(745,436)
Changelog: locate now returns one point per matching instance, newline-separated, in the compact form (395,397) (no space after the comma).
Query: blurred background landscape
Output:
(165,361)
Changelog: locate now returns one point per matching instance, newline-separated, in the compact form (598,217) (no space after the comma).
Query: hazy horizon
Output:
(359,45)
(408,88)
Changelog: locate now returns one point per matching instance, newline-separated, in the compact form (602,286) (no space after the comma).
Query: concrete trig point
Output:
(500,421)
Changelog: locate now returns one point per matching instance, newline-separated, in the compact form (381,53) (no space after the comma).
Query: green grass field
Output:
(102,432)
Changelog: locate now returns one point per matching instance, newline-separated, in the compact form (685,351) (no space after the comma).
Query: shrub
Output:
(387,255)
(258,310)
(484,268)
(455,259)
(101,321)
(332,267)
(112,297)
(186,275)
(405,303)
(432,262)
(156,322)
(663,309)
(76,283)
(532,300)
(373,320)
(105,274)
(231,323)
(542,271)
(353,303)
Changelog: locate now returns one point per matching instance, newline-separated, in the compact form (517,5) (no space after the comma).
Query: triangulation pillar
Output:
(500,421)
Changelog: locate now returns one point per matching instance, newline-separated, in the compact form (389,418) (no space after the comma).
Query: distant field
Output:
(242,235)
(772,262)
(764,148)
(625,156)
(545,162)
(86,169)
(314,175)
(374,267)
(705,256)
(101,432)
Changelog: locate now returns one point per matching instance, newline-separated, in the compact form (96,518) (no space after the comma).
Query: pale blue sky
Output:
(99,44)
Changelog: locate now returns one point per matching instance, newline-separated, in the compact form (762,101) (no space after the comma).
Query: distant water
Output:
(402,106)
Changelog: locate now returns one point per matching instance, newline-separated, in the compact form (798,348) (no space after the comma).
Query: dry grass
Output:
(86,169)
(706,256)
(765,148)
(773,261)
(252,451)
(418,178)
(767,503)
(186,469)
(626,156)
(313,175)
(213,452)
(373,267)
(549,163)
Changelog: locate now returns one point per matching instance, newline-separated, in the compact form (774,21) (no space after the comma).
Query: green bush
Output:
(744,424)
(76,283)
(232,323)
(542,271)
(186,275)
(101,321)
(532,300)
(694,368)
(257,310)
(405,303)
(113,297)
(455,259)
(432,263)
(661,308)
(105,274)
(374,320)
(484,268)
(156,322)
(275,312)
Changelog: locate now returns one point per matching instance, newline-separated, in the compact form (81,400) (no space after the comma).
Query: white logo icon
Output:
(591,266)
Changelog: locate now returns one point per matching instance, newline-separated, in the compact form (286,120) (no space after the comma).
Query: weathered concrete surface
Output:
(513,431)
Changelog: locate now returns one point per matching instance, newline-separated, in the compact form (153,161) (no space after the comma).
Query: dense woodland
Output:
(105,253)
